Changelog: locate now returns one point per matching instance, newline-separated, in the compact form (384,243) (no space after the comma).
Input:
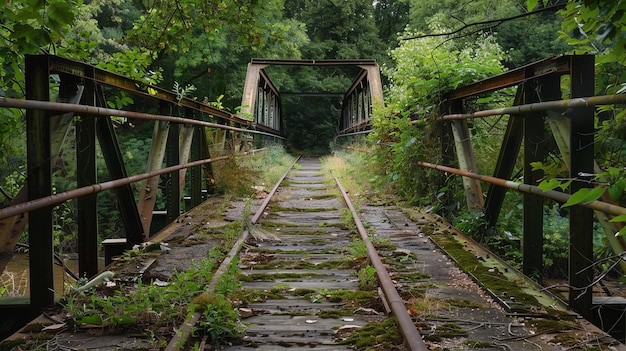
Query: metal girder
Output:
(559,64)
(39,163)
(259,61)
(150,187)
(62,65)
(535,149)
(172,183)
(185,141)
(581,162)
(86,206)
(117,170)
(509,150)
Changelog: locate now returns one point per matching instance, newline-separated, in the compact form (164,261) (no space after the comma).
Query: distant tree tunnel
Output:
(311,122)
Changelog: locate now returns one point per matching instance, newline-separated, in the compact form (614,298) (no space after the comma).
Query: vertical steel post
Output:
(534,135)
(172,188)
(196,172)
(582,80)
(466,160)
(86,208)
(150,187)
(38,145)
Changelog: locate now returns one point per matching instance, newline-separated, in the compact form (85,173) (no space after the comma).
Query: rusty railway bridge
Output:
(182,127)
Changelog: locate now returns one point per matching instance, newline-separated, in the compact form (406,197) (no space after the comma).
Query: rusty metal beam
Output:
(558,196)
(125,194)
(39,163)
(62,65)
(86,206)
(43,202)
(172,179)
(557,105)
(150,188)
(553,65)
(100,111)
(581,161)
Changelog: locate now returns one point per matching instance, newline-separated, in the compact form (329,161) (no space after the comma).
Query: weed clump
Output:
(383,335)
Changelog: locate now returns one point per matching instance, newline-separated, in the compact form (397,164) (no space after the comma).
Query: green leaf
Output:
(549,184)
(531,4)
(95,320)
(584,195)
(620,218)
(485,100)
(617,190)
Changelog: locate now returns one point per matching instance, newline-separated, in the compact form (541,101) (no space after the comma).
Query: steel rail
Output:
(102,111)
(543,106)
(96,188)
(558,196)
(411,335)
(187,326)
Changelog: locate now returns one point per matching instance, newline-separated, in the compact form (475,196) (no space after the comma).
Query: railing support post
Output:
(534,150)
(467,162)
(172,188)
(38,146)
(86,208)
(581,161)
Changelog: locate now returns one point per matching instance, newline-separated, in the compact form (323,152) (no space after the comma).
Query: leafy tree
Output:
(424,70)
(338,29)
(525,39)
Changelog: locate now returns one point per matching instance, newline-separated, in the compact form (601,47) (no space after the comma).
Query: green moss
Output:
(33,328)
(464,303)
(335,313)
(6,345)
(248,296)
(384,335)
(347,263)
(323,197)
(494,280)
(411,276)
(446,330)
(42,336)
(267,277)
(475,344)
(548,325)
(301,292)
(349,297)
(278,208)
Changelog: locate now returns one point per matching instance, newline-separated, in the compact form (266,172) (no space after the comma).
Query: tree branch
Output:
(496,21)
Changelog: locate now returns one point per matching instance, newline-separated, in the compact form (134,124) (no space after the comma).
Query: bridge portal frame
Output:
(365,92)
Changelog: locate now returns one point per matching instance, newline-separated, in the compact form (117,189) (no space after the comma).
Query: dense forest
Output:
(425,48)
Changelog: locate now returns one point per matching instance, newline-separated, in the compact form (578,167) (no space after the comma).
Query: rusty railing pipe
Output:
(558,196)
(96,188)
(102,111)
(543,106)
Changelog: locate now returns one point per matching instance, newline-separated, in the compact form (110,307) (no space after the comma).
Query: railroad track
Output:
(305,274)
(308,268)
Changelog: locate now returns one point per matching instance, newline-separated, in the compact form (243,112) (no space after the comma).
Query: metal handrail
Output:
(543,106)
(101,111)
(96,188)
